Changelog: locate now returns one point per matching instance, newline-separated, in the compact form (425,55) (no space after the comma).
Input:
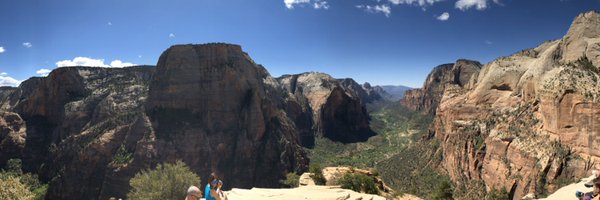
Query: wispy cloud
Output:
(488,42)
(321,5)
(316,4)
(2,50)
(43,72)
(6,80)
(444,16)
(109,23)
(477,4)
(27,44)
(171,35)
(382,8)
(421,3)
(91,62)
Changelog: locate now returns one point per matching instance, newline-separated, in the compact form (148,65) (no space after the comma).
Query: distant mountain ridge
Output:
(394,92)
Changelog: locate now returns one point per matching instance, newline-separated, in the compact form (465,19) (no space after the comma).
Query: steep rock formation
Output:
(75,121)
(427,99)
(208,105)
(320,104)
(12,136)
(529,121)
(214,108)
(365,92)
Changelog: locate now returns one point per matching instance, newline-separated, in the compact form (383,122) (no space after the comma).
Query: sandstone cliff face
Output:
(427,99)
(528,121)
(208,105)
(365,92)
(12,136)
(214,108)
(322,105)
(76,118)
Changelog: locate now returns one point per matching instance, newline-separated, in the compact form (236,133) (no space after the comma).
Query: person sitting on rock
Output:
(594,195)
(193,193)
(219,192)
(209,186)
(596,191)
(215,190)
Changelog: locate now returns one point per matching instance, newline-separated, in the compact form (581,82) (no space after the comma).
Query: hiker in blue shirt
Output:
(207,189)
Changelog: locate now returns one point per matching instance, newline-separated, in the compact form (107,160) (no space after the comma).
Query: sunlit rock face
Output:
(427,99)
(323,106)
(214,108)
(208,105)
(529,120)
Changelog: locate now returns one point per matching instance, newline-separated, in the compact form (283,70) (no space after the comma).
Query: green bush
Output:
(122,156)
(292,180)
(317,174)
(443,191)
(13,166)
(12,188)
(167,181)
(495,194)
(358,183)
(30,181)
(40,192)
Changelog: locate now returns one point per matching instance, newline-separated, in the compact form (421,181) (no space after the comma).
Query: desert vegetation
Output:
(166,181)
(14,184)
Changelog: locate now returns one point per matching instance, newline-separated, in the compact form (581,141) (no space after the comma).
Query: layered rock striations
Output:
(214,108)
(87,131)
(323,106)
(12,136)
(427,99)
(529,121)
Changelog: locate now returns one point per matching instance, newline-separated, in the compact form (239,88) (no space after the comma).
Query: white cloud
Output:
(421,3)
(385,9)
(2,50)
(171,35)
(290,3)
(321,4)
(478,4)
(27,44)
(6,80)
(90,62)
(119,63)
(444,16)
(43,72)
(316,4)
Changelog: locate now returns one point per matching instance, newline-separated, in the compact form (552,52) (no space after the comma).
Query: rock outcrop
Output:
(214,108)
(12,136)
(323,106)
(305,192)
(528,121)
(427,99)
(76,119)
(365,92)
(208,105)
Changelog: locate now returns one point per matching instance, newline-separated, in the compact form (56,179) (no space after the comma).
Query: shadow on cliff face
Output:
(345,120)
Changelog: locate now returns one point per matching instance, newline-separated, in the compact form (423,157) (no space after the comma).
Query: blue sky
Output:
(384,42)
